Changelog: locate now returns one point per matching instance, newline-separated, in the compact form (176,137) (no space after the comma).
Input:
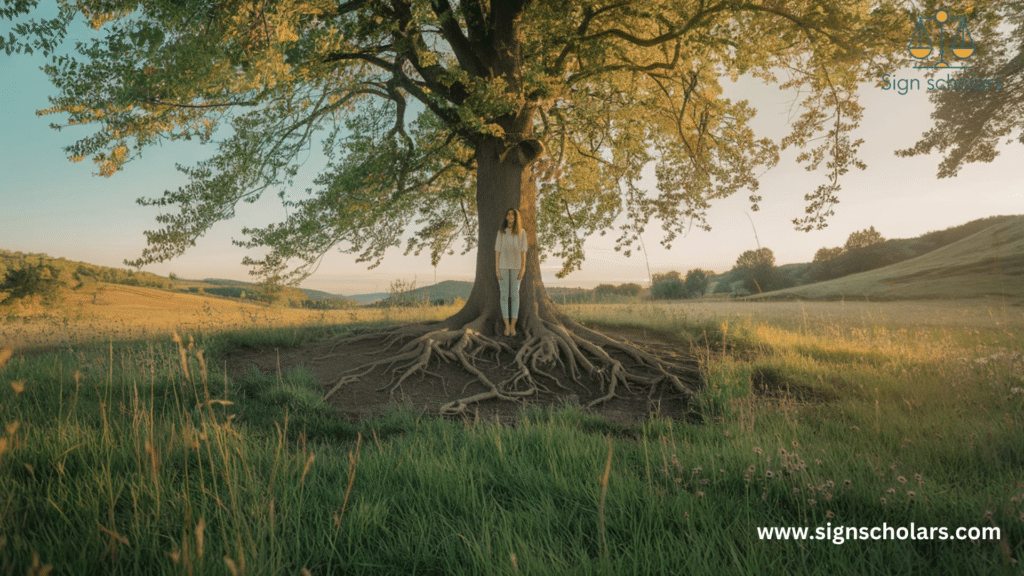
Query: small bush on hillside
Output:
(403,294)
(29,282)
(858,239)
(610,293)
(722,288)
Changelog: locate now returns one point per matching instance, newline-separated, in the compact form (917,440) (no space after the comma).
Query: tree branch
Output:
(630,66)
(699,17)
(158,102)
(452,32)
(582,29)
(476,24)
(364,56)
(795,19)
(346,7)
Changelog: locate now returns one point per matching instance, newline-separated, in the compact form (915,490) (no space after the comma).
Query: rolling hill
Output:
(986,263)
(983,257)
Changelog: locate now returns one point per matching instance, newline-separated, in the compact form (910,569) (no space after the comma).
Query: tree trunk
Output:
(504,180)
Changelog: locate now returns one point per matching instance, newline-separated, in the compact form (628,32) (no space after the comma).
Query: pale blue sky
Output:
(50,205)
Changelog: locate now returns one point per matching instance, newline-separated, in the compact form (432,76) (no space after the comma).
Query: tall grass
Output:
(145,457)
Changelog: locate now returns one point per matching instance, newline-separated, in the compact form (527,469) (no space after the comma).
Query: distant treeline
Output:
(75,274)
(24,275)
(755,272)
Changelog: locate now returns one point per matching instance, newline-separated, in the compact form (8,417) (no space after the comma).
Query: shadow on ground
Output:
(372,394)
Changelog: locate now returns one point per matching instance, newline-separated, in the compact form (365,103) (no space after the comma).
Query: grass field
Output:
(116,312)
(125,451)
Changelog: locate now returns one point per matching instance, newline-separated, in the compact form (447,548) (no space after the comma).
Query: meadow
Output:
(132,450)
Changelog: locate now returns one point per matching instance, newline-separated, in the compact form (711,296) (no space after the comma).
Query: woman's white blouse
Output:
(511,248)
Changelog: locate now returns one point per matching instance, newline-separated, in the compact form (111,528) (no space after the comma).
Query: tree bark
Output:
(504,181)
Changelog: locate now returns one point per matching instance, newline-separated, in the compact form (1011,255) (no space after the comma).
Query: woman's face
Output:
(510,217)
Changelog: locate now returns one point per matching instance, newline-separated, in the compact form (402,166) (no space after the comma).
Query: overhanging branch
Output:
(461,47)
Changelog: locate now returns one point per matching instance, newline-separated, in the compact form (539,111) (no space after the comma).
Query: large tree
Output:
(437,117)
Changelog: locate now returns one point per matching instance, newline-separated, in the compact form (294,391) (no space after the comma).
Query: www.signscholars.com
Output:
(841,534)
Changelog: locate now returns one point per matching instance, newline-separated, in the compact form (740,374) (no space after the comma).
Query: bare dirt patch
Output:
(371,394)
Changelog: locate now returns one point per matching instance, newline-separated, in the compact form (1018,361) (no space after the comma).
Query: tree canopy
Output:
(986,104)
(400,94)
(757,268)
(858,239)
(862,238)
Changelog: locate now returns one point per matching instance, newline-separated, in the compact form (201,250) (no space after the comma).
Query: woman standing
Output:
(510,261)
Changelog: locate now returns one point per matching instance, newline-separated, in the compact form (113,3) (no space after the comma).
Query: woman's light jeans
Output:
(509,280)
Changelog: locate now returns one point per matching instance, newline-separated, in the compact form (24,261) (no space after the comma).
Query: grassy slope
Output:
(114,461)
(988,263)
(91,274)
(99,312)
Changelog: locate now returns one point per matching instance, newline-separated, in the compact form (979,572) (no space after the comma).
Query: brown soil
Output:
(369,396)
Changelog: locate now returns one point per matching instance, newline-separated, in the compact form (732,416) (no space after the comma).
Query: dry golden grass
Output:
(974,313)
(111,311)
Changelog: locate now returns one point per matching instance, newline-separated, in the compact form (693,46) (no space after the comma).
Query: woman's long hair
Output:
(517,226)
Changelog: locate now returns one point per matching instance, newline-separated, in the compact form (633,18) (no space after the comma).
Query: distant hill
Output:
(314,295)
(76,275)
(73,273)
(989,262)
(368,298)
(791,276)
(981,257)
(447,290)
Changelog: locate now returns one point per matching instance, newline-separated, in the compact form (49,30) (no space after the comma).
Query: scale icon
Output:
(920,45)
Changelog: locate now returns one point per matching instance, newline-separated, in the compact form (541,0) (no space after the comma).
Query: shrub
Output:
(696,282)
(668,286)
(826,254)
(858,239)
(404,294)
(26,282)
(630,289)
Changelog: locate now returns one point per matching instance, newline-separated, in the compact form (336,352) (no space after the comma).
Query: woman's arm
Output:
(497,263)
(522,266)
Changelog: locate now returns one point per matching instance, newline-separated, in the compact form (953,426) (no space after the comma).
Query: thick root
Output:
(548,344)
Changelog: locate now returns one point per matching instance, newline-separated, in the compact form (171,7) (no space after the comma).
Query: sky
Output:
(53,206)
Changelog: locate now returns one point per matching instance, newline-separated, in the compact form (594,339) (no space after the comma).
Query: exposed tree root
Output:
(546,344)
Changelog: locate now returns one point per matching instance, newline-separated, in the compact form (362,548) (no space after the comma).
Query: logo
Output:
(921,46)
(954,46)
